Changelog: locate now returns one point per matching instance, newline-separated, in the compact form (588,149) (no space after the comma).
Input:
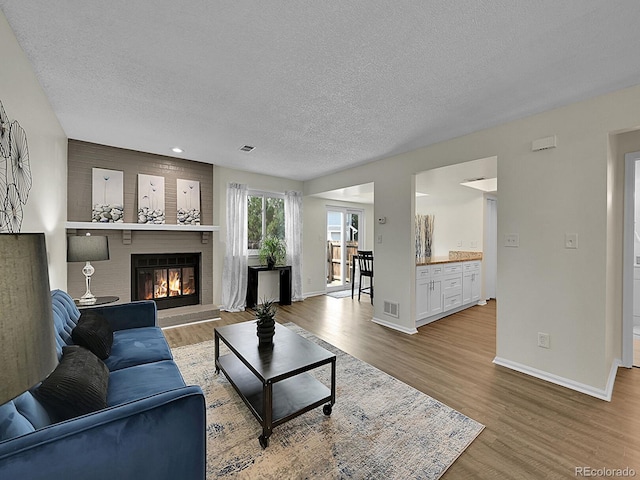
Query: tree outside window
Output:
(265,217)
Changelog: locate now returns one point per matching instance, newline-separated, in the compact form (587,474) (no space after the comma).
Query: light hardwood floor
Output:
(534,429)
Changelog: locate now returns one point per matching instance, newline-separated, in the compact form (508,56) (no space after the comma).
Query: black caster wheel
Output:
(264,441)
(327,409)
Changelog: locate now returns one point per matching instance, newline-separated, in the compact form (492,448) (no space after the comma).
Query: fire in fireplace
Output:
(172,280)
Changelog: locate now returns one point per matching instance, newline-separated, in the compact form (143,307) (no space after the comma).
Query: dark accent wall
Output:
(83,156)
(113,277)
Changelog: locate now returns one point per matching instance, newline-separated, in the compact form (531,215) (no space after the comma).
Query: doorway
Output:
(344,231)
(631,263)
(490,253)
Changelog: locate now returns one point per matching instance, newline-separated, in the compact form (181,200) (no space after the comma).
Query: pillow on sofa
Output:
(76,387)
(93,332)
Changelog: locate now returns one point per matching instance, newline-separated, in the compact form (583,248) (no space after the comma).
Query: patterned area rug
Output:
(379,427)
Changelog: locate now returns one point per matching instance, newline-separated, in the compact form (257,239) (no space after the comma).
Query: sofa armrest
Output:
(158,437)
(122,316)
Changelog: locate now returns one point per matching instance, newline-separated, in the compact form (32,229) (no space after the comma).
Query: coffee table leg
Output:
(267,421)
(217,351)
(326,409)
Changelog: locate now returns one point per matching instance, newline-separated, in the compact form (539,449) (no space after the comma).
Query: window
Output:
(265,217)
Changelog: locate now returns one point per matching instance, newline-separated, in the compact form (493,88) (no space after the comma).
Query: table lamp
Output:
(28,352)
(87,249)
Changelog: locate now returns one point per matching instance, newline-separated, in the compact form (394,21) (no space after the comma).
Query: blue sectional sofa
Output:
(153,426)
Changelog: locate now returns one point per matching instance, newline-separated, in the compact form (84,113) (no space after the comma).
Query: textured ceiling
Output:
(316,86)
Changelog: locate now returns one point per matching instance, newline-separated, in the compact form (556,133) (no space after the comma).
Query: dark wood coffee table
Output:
(272,381)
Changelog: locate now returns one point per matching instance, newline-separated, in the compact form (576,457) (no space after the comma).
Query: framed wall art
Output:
(188,202)
(151,199)
(107,196)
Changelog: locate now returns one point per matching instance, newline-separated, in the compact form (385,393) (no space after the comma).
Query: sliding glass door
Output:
(344,229)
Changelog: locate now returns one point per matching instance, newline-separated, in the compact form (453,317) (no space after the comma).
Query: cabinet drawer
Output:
(453,268)
(452,301)
(437,270)
(422,272)
(451,284)
(472,267)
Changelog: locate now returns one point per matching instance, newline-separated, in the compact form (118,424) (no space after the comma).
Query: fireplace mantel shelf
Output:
(141,226)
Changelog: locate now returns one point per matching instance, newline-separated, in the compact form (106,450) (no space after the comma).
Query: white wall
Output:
(221,178)
(458,221)
(573,295)
(24,100)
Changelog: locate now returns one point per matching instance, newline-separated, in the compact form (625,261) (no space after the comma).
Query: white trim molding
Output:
(602,394)
(394,326)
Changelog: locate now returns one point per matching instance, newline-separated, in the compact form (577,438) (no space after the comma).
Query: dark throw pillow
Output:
(93,332)
(76,387)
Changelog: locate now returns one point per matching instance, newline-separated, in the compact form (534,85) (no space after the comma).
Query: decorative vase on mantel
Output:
(265,323)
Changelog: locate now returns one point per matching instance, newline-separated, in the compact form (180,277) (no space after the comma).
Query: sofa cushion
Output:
(134,383)
(12,423)
(32,410)
(94,333)
(76,387)
(22,415)
(65,316)
(137,346)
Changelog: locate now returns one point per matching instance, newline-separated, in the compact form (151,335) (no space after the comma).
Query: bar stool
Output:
(365,262)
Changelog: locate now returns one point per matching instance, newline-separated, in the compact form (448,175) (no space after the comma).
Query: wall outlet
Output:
(570,240)
(308,280)
(544,340)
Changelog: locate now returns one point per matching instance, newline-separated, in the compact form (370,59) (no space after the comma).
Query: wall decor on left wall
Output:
(15,173)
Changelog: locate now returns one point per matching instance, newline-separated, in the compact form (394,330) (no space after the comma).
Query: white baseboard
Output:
(602,394)
(394,326)
(314,294)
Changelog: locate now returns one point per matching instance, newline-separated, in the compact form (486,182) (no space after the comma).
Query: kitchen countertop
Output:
(454,256)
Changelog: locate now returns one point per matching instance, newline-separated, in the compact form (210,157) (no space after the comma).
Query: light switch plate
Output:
(512,240)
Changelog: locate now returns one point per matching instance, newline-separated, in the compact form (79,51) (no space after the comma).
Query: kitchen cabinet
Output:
(446,288)
(471,282)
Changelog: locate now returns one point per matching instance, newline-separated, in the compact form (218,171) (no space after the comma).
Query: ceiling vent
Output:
(246,148)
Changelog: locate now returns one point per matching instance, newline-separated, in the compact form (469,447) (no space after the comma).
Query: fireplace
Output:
(171,279)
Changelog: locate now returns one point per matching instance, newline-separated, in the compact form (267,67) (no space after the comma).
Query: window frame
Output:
(255,252)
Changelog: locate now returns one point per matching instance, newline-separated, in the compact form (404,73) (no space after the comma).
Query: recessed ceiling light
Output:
(246,148)
(420,194)
(484,184)
(177,150)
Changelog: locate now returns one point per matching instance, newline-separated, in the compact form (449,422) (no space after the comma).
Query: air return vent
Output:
(246,148)
(391,308)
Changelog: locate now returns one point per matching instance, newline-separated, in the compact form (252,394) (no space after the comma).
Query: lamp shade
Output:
(28,352)
(87,248)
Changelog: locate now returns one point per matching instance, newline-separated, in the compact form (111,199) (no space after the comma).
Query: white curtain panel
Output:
(234,277)
(293,237)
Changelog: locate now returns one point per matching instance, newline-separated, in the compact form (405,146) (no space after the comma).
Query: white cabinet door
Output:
(471,282)
(435,296)
(475,287)
(467,287)
(422,297)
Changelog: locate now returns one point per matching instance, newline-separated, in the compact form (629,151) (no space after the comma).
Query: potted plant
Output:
(266,323)
(272,251)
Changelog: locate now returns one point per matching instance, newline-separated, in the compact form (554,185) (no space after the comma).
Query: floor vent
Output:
(391,308)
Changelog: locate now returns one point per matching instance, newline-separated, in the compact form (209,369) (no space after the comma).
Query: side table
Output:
(99,301)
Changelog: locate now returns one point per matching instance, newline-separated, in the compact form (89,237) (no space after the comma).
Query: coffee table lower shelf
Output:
(290,397)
